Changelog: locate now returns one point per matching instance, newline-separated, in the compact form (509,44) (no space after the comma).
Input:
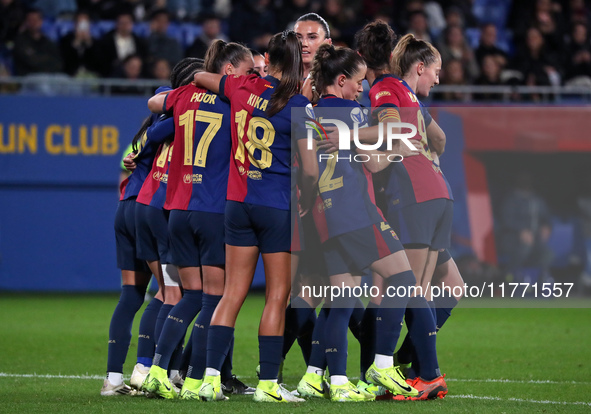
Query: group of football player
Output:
(245,179)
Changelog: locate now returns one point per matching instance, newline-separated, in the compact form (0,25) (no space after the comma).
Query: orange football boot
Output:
(428,390)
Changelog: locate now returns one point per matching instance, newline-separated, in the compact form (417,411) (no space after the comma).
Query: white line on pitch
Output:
(508,381)
(505,381)
(477,397)
(90,377)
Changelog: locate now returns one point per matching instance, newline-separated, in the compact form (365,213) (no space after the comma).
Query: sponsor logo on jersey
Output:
(359,115)
(255,175)
(324,205)
(382,94)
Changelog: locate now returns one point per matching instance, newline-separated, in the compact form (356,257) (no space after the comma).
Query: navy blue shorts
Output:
(443,257)
(312,258)
(151,229)
(254,225)
(428,223)
(297,236)
(196,238)
(355,251)
(125,238)
(297,231)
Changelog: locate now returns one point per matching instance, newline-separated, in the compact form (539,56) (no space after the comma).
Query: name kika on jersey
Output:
(257,102)
(203,97)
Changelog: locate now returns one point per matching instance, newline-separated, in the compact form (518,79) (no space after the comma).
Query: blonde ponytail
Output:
(409,51)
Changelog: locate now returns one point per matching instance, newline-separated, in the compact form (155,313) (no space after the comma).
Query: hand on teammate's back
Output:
(331,143)
(405,151)
(128,162)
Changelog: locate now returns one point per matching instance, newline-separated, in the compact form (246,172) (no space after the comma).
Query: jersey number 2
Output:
(326,181)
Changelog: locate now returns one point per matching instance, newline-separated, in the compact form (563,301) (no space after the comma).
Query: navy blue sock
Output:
(226,371)
(356,319)
(367,338)
(406,351)
(290,333)
(412,372)
(318,354)
(270,356)
(305,336)
(219,340)
(335,338)
(433,308)
(443,307)
(423,333)
(130,301)
(187,351)
(297,315)
(176,325)
(199,338)
(391,312)
(176,359)
(162,316)
(146,343)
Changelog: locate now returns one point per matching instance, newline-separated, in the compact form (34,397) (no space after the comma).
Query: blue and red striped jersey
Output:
(260,170)
(345,202)
(198,173)
(416,179)
(153,192)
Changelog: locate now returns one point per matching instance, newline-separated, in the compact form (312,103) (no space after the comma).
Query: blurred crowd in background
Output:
(482,42)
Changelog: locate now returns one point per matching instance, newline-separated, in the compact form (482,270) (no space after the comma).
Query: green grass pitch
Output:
(496,360)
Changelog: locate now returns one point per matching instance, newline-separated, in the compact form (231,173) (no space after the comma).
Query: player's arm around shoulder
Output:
(156,102)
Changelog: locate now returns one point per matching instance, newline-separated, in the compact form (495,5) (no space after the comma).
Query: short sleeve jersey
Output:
(417,179)
(260,168)
(153,192)
(198,173)
(343,183)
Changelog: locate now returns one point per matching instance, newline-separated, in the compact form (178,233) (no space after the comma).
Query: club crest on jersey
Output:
(187,178)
